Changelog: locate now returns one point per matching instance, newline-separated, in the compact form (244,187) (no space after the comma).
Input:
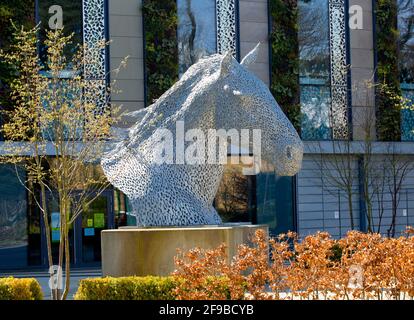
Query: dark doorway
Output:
(84,234)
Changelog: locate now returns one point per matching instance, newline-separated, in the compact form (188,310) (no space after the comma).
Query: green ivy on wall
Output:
(21,12)
(285,57)
(161,50)
(388,90)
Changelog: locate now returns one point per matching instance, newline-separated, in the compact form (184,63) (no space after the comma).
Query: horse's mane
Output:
(181,94)
(195,73)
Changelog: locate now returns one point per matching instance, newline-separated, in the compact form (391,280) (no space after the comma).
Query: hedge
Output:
(127,288)
(20,289)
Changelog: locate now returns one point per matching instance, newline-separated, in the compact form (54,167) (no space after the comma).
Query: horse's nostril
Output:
(289,152)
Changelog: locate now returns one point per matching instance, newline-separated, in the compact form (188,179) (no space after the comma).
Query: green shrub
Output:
(20,289)
(127,288)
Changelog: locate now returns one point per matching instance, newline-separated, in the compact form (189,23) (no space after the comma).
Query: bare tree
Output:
(338,172)
(67,116)
(232,196)
(398,168)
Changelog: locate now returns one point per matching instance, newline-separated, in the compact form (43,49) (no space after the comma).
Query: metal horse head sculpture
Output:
(215,93)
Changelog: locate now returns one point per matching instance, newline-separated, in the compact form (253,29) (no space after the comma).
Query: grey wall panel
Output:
(253,23)
(318,198)
(126,36)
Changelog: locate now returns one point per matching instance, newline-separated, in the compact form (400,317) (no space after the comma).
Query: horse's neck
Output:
(202,180)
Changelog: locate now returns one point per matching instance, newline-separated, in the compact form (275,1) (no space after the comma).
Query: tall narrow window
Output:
(13,218)
(196,31)
(406,58)
(58,14)
(265,198)
(314,69)
(275,201)
(204,28)
(86,20)
(234,196)
(323,69)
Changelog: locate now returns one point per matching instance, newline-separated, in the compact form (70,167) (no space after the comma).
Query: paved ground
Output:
(43,278)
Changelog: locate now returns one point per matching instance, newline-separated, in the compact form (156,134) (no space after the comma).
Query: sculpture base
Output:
(136,251)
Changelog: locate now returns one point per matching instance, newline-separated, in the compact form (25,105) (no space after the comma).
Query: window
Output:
(204,28)
(234,196)
(13,218)
(60,13)
(406,58)
(263,199)
(275,199)
(323,69)
(196,34)
(314,69)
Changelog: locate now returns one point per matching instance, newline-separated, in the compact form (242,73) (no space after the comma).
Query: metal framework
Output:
(339,70)
(94,40)
(215,93)
(226,22)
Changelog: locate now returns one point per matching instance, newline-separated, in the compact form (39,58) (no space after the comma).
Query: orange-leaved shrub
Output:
(358,266)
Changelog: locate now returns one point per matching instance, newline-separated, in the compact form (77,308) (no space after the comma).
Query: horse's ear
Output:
(251,57)
(226,64)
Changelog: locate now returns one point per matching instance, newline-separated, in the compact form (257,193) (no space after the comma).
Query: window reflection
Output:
(72,23)
(275,201)
(233,196)
(13,217)
(314,69)
(196,31)
(263,199)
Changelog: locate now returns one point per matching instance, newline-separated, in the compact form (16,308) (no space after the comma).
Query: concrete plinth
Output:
(150,251)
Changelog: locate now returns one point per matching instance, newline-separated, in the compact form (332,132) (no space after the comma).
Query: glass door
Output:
(54,222)
(96,217)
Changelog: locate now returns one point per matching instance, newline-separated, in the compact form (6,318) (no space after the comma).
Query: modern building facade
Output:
(337,54)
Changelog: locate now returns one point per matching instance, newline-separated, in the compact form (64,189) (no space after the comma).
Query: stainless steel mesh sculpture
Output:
(215,93)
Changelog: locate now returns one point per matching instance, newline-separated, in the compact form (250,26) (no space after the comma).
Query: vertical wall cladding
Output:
(94,39)
(226,23)
(339,66)
(126,36)
(382,200)
(321,205)
(362,72)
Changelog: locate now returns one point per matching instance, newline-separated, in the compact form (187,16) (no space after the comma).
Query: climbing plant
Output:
(13,14)
(161,50)
(285,57)
(388,90)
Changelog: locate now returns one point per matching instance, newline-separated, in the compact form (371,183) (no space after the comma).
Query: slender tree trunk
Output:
(351,212)
(61,240)
(48,238)
(369,216)
(391,229)
(380,199)
(394,195)
(67,263)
